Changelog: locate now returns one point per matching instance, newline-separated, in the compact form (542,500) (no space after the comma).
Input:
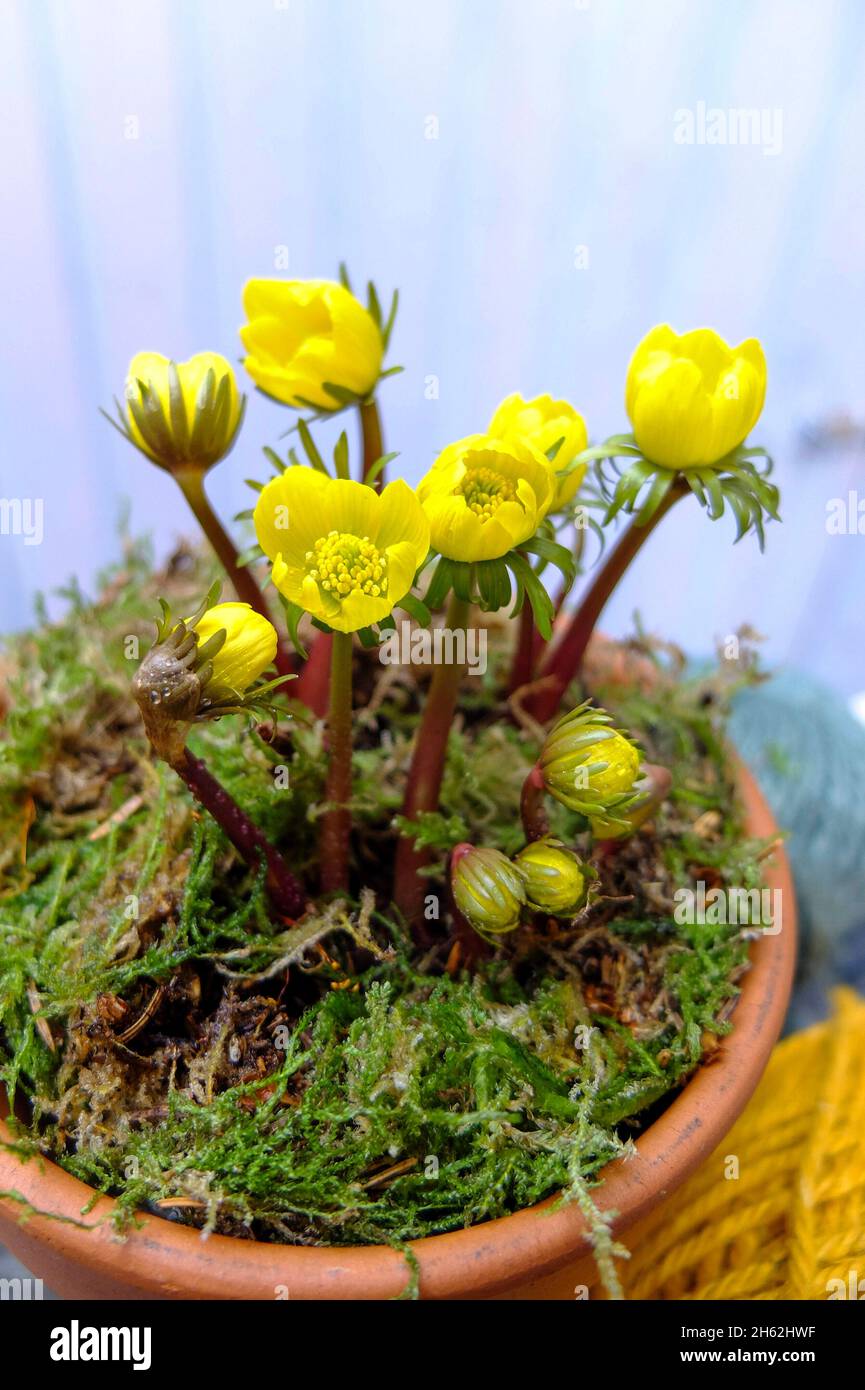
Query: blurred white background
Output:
(156,155)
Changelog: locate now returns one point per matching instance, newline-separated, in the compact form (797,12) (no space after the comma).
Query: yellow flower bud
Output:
(246,653)
(483,496)
(304,335)
(182,414)
(488,889)
(692,399)
(545,422)
(555,882)
(200,668)
(589,766)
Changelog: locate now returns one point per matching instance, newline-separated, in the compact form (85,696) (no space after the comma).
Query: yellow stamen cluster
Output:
(485,491)
(343,564)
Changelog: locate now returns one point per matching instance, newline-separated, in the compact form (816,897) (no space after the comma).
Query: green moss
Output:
(322,1082)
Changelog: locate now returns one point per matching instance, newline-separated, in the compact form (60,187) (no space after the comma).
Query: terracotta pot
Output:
(539,1253)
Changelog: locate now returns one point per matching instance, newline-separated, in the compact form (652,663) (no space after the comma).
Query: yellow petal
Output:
(402,565)
(568,487)
(291,513)
(247,652)
(544,422)
(672,416)
(299,304)
(506,416)
(359,610)
(458,534)
(401,518)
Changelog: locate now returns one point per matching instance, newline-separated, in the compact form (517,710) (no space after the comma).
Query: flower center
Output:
(343,564)
(485,491)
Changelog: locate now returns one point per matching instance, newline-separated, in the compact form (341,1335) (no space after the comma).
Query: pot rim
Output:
(162,1259)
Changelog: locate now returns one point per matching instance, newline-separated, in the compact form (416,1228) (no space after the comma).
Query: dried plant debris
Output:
(319,1081)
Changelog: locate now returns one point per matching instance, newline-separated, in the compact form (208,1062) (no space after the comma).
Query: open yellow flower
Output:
(692,398)
(544,422)
(305,334)
(483,496)
(246,653)
(182,414)
(340,550)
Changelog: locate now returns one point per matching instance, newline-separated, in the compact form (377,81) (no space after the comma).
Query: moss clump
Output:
(323,1081)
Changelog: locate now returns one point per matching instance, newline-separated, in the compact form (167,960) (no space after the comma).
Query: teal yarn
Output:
(807,751)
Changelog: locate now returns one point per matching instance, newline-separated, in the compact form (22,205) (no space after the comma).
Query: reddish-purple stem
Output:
(536,823)
(563,661)
(426,772)
(283,888)
(191,483)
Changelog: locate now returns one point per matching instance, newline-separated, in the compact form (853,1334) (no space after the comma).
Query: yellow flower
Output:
(587,765)
(340,550)
(483,496)
(305,334)
(544,422)
(555,881)
(246,653)
(692,399)
(182,414)
(488,889)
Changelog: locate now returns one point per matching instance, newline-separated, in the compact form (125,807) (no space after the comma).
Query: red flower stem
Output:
(532,809)
(564,660)
(191,482)
(426,771)
(336,821)
(286,893)
(561,594)
(373,445)
(312,685)
(523,665)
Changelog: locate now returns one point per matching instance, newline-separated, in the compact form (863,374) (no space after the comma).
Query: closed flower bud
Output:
(692,399)
(488,889)
(555,881)
(545,423)
(306,335)
(589,766)
(246,653)
(182,415)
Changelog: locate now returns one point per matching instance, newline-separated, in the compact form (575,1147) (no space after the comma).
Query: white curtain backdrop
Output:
(513,167)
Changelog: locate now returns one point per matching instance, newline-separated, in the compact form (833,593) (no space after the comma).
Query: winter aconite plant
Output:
(284,917)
